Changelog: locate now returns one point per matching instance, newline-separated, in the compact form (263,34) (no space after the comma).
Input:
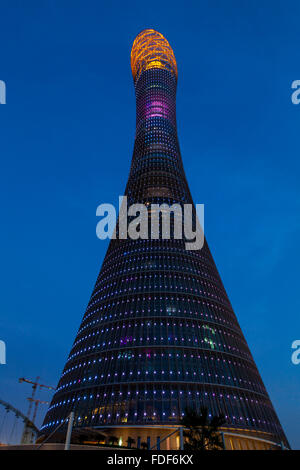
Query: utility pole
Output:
(69,431)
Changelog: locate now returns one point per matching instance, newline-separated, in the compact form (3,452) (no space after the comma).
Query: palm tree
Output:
(113,440)
(202,432)
(130,441)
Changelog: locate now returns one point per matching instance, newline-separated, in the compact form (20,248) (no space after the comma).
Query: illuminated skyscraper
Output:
(159,333)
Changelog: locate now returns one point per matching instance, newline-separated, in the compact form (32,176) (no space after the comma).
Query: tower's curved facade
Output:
(159,333)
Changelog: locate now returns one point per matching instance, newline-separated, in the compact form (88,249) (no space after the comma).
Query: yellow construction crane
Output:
(36,404)
(27,433)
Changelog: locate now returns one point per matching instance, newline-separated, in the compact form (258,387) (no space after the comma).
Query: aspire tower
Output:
(159,333)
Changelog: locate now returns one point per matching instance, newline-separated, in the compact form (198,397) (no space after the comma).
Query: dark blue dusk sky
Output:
(67,134)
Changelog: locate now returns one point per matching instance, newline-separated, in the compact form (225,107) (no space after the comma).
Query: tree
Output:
(130,441)
(113,440)
(203,432)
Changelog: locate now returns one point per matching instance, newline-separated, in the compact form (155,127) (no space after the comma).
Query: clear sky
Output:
(67,134)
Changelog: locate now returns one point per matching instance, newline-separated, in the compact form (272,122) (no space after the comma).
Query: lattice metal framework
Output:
(151,50)
(159,332)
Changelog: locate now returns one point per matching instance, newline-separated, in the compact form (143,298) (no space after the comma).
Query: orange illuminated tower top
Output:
(159,335)
(151,50)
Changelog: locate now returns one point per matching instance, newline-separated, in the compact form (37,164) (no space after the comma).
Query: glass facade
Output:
(159,333)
